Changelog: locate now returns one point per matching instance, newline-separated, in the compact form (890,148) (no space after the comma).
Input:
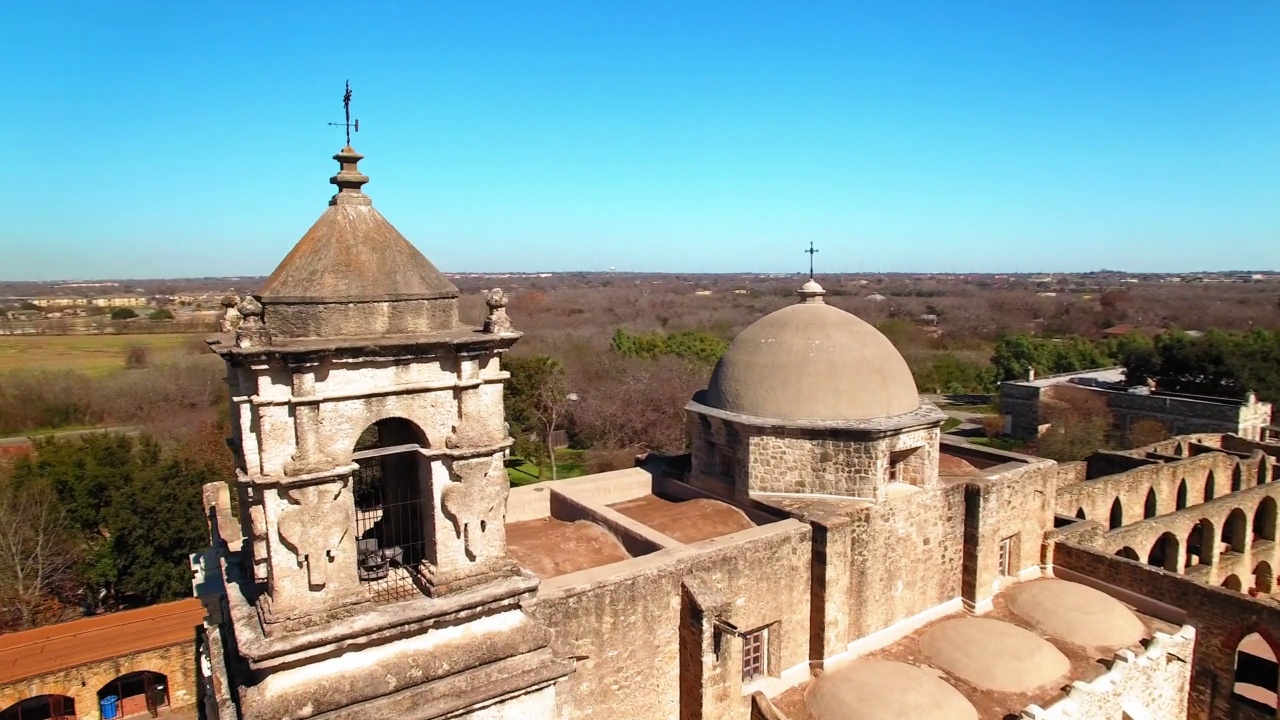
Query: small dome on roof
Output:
(812,361)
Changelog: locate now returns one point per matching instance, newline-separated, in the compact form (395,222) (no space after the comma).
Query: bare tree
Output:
(36,554)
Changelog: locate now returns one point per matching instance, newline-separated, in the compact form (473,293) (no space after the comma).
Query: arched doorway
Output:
(1232,582)
(1117,515)
(1181,502)
(1264,520)
(1256,675)
(132,694)
(1200,543)
(388,491)
(41,707)
(1149,507)
(1080,514)
(1210,487)
(1234,532)
(1128,553)
(1164,553)
(1263,578)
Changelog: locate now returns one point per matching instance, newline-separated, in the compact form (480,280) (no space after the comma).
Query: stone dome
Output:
(885,690)
(993,655)
(1076,613)
(812,361)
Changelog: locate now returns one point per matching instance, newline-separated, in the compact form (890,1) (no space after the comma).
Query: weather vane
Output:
(346,109)
(810,252)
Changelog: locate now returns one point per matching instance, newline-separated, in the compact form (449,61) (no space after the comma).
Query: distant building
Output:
(1021,404)
(876,297)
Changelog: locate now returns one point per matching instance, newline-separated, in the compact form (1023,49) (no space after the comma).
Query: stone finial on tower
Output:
(811,292)
(349,180)
(252,332)
(497,321)
(231,317)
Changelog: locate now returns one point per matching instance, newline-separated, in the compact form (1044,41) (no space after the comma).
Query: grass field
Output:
(90,354)
(569,464)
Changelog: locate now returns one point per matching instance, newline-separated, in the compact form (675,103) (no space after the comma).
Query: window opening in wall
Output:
(134,693)
(1164,554)
(755,654)
(1117,515)
(1256,674)
(1234,532)
(1264,520)
(41,707)
(726,462)
(1006,556)
(1149,507)
(900,467)
(389,527)
(1263,578)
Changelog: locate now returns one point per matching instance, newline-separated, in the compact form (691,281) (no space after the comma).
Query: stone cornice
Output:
(461,341)
(926,416)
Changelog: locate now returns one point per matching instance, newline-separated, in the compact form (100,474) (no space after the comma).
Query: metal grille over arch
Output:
(387,488)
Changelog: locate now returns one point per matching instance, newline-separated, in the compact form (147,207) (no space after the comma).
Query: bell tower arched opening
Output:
(388,490)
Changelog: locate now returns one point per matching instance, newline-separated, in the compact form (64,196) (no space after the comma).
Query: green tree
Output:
(696,346)
(123,314)
(1014,355)
(537,402)
(160,314)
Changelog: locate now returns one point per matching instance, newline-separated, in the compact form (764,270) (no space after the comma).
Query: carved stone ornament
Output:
(312,530)
(474,502)
(252,332)
(230,315)
(497,321)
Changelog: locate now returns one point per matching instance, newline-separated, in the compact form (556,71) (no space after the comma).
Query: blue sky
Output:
(188,139)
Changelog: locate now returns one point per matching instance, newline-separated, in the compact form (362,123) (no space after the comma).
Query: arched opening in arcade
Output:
(1200,543)
(134,694)
(1264,471)
(1237,478)
(1128,553)
(1164,554)
(1232,582)
(1181,501)
(1210,487)
(1256,674)
(41,707)
(1149,507)
(387,487)
(1234,533)
(1264,578)
(1080,514)
(1264,520)
(1117,515)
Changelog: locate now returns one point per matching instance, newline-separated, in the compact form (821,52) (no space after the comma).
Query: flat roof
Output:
(550,547)
(688,521)
(70,644)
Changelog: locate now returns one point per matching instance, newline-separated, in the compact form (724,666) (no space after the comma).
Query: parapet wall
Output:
(1151,684)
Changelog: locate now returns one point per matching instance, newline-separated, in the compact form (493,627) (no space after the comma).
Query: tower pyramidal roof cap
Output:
(353,254)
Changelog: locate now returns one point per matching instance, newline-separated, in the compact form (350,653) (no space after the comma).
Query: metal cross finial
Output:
(346,109)
(811,252)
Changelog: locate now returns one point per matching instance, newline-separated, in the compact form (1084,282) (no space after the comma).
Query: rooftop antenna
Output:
(810,253)
(346,110)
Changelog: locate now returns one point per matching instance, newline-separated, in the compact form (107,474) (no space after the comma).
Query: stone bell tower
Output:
(370,574)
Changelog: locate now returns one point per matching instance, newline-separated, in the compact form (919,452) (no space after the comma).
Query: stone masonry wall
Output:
(1095,497)
(1221,618)
(625,626)
(82,682)
(906,556)
(858,469)
(1016,505)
